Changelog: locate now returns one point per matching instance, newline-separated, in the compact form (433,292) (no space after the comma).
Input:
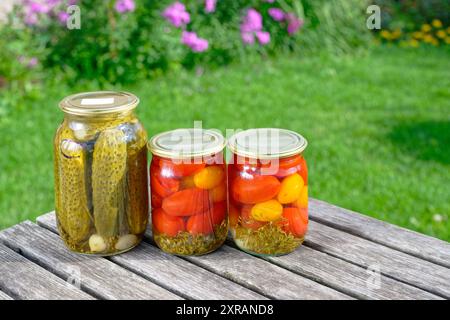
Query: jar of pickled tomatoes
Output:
(188,191)
(101,181)
(268,191)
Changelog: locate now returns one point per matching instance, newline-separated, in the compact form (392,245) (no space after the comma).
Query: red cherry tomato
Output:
(296,221)
(247,220)
(178,169)
(186,202)
(167,224)
(246,164)
(283,167)
(200,224)
(304,170)
(156,200)
(218,212)
(163,186)
(255,189)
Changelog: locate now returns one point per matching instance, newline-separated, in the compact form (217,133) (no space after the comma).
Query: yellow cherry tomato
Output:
(209,177)
(291,187)
(219,193)
(267,211)
(302,201)
(187,182)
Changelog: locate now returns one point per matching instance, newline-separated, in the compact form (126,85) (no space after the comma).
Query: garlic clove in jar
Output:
(126,241)
(97,243)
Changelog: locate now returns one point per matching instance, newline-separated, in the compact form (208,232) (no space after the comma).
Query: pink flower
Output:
(63,17)
(123,6)
(263,37)
(210,6)
(269,1)
(276,14)
(251,26)
(37,7)
(252,21)
(31,18)
(176,14)
(248,37)
(294,23)
(30,63)
(33,62)
(194,42)
(52,4)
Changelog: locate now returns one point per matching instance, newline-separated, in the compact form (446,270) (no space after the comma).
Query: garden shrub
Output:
(415,22)
(122,41)
(409,15)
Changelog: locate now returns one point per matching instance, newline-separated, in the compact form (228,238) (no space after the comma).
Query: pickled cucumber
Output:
(108,181)
(137,192)
(71,195)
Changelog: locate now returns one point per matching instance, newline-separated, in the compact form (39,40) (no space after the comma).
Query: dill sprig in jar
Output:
(188,191)
(101,183)
(268,191)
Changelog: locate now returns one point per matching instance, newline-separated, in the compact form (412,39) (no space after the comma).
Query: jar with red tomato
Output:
(268,190)
(188,191)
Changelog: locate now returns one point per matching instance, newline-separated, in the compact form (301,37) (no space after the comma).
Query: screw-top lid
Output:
(267,143)
(98,103)
(186,143)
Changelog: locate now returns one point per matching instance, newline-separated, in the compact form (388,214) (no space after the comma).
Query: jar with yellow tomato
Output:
(268,191)
(188,191)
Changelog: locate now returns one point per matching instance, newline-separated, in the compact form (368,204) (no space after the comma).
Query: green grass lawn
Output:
(378,127)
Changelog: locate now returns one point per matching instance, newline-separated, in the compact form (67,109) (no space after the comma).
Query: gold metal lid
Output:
(186,143)
(98,103)
(267,143)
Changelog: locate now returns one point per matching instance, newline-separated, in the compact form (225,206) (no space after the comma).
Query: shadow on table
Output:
(425,140)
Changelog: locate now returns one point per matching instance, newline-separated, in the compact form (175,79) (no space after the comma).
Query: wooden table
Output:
(346,256)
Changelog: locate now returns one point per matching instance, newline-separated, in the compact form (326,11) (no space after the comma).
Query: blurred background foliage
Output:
(123,47)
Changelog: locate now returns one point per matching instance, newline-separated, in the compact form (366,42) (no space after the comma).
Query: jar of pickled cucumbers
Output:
(268,191)
(101,181)
(188,191)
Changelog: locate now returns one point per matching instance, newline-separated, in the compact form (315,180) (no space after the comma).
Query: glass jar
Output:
(188,191)
(268,191)
(101,182)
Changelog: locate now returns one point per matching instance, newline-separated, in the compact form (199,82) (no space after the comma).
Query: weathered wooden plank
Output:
(347,277)
(23,279)
(96,275)
(261,276)
(178,275)
(398,265)
(392,236)
(4,296)
(181,276)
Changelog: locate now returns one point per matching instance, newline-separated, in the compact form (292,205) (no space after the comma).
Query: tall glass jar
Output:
(188,191)
(268,191)
(101,183)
